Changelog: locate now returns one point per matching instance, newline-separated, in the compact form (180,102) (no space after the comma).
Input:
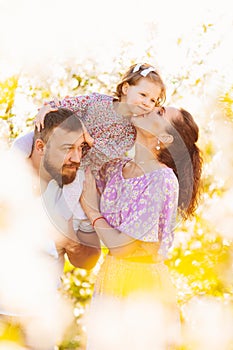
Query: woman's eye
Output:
(161,111)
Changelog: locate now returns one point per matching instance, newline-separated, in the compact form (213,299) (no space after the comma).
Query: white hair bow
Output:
(137,67)
(145,71)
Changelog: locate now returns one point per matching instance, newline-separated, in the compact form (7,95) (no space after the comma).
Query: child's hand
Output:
(39,118)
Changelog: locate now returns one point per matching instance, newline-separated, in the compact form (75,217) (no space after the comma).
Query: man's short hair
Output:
(64,118)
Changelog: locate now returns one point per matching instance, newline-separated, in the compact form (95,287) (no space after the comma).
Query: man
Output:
(55,158)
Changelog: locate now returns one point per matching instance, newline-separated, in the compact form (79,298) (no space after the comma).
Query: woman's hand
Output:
(39,118)
(90,198)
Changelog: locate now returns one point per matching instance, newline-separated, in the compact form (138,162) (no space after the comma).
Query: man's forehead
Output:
(62,136)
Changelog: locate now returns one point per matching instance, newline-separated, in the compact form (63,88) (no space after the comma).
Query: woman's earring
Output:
(158,146)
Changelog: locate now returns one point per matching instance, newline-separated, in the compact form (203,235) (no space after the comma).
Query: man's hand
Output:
(82,249)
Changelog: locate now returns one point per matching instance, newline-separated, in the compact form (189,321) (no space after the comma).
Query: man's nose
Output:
(76,156)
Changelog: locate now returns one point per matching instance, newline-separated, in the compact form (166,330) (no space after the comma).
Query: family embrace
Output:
(120,171)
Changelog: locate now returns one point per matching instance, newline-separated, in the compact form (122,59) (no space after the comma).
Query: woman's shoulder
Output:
(163,176)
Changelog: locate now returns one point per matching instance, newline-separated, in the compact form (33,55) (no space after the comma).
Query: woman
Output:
(135,218)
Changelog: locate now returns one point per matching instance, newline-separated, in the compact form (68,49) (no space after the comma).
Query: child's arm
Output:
(78,104)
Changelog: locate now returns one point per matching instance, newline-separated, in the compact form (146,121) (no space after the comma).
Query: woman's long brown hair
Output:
(185,158)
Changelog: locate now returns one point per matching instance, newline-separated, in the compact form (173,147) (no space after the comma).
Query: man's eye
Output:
(66,148)
(84,144)
(85,148)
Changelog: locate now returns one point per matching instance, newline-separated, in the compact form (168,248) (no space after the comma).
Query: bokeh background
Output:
(56,48)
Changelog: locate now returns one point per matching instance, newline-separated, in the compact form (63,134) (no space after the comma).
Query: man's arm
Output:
(83,254)
(82,248)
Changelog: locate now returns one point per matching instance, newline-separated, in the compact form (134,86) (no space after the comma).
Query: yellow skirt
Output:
(122,278)
(133,307)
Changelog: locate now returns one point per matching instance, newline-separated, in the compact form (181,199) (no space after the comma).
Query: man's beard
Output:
(61,177)
(68,178)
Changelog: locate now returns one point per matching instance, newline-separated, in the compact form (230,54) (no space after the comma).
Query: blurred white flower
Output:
(208,323)
(28,270)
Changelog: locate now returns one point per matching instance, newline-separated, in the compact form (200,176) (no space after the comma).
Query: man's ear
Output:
(124,88)
(39,147)
(166,138)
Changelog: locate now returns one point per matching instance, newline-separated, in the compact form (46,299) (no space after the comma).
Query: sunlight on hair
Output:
(28,271)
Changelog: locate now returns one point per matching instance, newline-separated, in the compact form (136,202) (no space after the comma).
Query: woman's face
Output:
(157,121)
(141,98)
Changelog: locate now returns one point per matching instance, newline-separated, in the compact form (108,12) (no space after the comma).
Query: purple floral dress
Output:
(134,303)
(144,207)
